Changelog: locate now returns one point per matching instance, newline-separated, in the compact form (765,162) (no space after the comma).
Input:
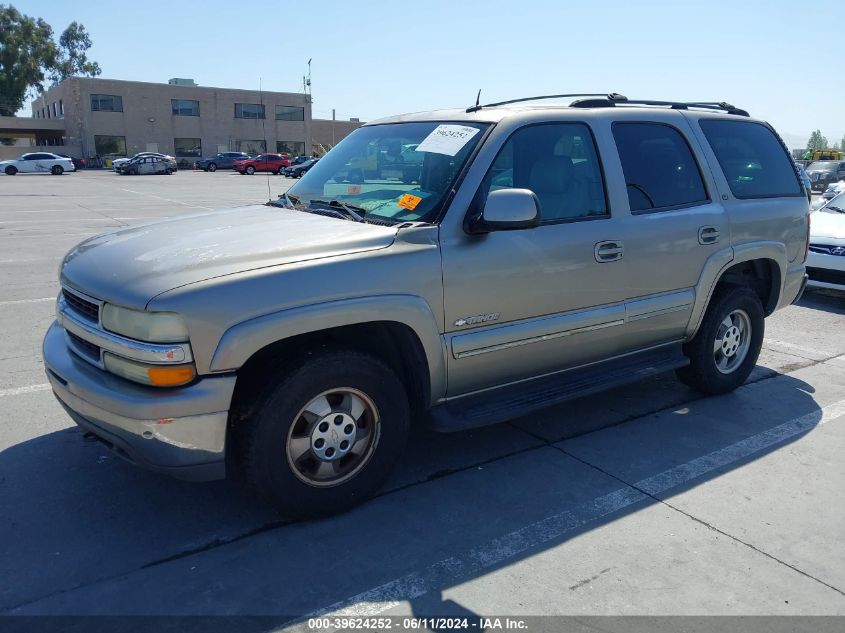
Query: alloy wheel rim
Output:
(733,340)
(333,437)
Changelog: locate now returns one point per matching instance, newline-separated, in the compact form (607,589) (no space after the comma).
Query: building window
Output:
(54,110)
(106,103)
(249,110)
(289,113)
(61,108)
(185,107)
(251,147)
(110,145)
(291,148)
(188,147)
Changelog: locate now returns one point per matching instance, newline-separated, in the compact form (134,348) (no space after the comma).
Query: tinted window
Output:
(559,163)
(249,111)
(290,113)
(660,171)
(185,107)
(107,103)
(752,158)
(188,147)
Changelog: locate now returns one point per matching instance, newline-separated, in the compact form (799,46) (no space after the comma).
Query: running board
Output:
(506,403)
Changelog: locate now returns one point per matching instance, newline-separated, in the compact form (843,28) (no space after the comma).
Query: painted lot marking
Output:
(798,348)
(21,390)
(472,562)
(14,302)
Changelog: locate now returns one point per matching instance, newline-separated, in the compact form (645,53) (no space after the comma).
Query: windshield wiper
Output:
(839,209)
(350,211)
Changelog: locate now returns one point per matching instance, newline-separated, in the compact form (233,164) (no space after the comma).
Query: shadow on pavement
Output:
(63,515)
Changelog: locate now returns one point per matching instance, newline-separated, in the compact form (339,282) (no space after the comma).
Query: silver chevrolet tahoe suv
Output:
(538,253)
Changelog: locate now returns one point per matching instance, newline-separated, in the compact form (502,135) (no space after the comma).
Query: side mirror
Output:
(509,210)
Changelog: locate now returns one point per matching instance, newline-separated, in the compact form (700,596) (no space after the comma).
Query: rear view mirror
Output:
(509,210)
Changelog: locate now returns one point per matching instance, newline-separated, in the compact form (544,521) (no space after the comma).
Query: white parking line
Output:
(21,390)
(19,301)
(472,562)
(798,348)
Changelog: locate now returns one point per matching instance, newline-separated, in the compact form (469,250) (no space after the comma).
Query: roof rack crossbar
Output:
(611,97)
(675,105)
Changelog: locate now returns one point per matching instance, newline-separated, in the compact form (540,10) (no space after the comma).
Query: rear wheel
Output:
(11,170)
(326,436)
(726,347)
(250,170)
(57,170)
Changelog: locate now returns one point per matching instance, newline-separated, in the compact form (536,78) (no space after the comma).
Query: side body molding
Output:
(723,259)
(244,339)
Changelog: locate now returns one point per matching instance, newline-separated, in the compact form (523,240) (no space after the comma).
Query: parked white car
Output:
(826,259)
(833,189)
(37,162)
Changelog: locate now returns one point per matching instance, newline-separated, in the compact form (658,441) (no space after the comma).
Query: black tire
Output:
(57,170)
(260,438)
(212,167)
(250,170)
(702,374)
(11,170)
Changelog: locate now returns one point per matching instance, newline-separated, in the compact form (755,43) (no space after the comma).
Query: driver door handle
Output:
(608,251)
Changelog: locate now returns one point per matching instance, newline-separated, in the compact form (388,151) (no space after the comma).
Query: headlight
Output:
(154,375)
(153,327)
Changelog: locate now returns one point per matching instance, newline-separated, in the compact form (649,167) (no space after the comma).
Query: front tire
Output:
(212,167)
(250,170)
(727,345)
(11,170)
(326,436)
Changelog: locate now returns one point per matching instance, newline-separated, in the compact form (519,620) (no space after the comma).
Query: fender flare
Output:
(243,340)
(721,261)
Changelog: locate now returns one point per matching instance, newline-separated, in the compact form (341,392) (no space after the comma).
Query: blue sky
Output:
(376,58)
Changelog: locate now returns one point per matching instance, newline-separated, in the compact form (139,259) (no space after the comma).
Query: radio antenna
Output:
(264,134)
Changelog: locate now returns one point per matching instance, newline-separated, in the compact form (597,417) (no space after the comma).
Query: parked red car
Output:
(263,162)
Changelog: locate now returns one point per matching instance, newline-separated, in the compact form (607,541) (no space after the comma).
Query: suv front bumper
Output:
(180,432)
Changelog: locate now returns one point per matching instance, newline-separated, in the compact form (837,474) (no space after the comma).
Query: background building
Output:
(89,117)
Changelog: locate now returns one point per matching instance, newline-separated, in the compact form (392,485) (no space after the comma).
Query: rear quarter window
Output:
(752,158)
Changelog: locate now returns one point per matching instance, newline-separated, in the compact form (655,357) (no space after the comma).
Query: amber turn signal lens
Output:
(170,376)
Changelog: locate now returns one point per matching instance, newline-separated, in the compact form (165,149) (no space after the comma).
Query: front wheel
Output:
(11,170)
(326,436)
(727,345)
(250,170)
(211,167)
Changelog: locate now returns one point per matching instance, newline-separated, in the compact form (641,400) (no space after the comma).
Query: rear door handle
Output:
(608,251)
(708,235)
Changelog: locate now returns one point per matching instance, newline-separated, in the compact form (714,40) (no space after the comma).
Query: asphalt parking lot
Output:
(647,500)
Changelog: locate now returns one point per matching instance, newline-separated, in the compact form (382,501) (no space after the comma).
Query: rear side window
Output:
(660,171)
(752,158)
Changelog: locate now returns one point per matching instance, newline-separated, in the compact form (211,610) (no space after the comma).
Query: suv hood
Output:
(826,224)
(131,266)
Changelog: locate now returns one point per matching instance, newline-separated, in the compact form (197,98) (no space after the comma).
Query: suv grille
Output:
(85,347)
(87,309)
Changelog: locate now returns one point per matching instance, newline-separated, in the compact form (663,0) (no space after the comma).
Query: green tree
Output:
(28,53)
(817,141)
(72,58)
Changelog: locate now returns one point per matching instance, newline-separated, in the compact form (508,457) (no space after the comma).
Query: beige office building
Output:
(109,117)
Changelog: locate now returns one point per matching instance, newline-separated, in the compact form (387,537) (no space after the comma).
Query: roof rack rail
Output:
(674,105)
(605,98)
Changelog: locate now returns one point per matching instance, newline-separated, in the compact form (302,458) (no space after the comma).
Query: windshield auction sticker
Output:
(447,139)
(409,201)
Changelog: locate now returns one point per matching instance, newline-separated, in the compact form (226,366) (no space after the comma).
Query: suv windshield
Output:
(823,165)
(398,171)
